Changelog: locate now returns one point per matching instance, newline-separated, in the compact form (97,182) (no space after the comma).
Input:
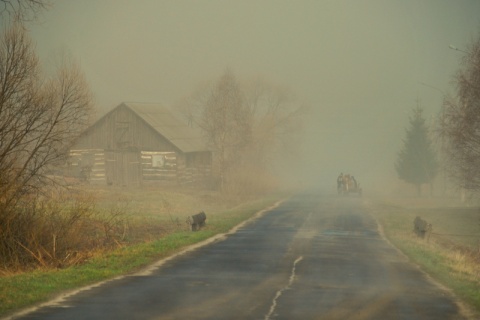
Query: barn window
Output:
(158,160)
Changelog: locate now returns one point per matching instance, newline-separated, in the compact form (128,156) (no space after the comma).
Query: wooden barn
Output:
(138,143)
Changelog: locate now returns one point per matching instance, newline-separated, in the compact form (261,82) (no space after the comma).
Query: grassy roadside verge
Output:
(452,261)
(26,289)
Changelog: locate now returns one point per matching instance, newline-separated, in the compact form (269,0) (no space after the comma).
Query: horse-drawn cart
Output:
(347,184)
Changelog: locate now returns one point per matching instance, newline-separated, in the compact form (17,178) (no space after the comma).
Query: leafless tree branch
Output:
(39,117)
(23,10)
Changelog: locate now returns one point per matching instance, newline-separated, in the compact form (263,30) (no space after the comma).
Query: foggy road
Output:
(313,257)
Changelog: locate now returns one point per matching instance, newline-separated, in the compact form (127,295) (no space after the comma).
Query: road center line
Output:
(279,292)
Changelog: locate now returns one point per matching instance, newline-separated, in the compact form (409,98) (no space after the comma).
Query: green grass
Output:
(25,289)
(450,259)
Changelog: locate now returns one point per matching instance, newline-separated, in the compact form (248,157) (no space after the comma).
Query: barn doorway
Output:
(123,168)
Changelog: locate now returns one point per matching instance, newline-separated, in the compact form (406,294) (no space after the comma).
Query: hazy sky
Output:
(359,64)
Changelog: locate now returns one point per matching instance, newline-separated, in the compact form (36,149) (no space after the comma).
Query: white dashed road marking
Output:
(279,292)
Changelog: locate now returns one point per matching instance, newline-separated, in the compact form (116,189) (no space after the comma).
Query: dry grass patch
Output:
(68,226)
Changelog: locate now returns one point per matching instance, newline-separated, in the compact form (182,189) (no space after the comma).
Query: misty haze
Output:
(239,159)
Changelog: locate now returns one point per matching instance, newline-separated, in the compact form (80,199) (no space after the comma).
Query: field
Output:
(450,253)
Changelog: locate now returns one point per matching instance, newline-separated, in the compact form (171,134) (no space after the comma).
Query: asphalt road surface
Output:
(312,257)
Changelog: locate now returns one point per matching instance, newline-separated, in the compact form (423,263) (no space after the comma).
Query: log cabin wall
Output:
(159,166)
(88,165)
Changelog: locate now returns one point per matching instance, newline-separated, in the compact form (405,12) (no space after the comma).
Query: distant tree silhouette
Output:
(226,123)
(253,126)
(416,163)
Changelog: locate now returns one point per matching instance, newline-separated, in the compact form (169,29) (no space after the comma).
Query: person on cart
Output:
(355,185)
(340,182)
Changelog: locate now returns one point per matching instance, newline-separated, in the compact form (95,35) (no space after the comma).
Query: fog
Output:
(361,65)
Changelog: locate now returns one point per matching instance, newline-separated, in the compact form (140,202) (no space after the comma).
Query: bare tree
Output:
(22,10)
(460,122)
(277,119)
(226,123)
(39,117)
(264,119)
(191,107)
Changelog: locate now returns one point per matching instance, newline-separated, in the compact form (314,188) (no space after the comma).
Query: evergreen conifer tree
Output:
(416,163)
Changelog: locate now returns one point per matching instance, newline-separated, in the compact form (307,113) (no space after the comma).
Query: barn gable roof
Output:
(164,122)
